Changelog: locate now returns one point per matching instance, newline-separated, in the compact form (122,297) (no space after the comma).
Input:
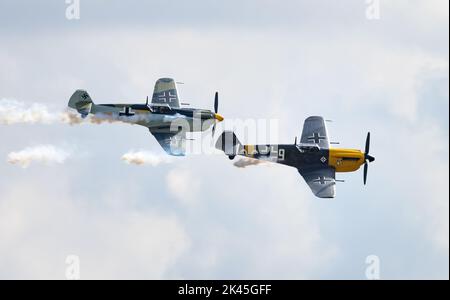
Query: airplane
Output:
(164,117)
(313,157)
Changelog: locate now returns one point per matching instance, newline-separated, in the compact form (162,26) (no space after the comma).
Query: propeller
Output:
(216,102)
(216,112)
(367,158)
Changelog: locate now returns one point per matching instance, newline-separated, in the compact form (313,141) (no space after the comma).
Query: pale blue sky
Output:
(268,59)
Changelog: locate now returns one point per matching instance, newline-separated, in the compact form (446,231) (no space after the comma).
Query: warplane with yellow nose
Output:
(164,116)
(313,157)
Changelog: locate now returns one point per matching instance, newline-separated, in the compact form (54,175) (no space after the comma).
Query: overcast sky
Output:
(200,217)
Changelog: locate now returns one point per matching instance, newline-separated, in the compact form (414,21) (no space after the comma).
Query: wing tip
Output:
(326,196)
(314,118)
(165,80)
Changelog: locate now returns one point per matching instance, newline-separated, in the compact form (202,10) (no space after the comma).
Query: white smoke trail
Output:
(15,112)
(42,154)
(72,118)
(247,162)
(145,158)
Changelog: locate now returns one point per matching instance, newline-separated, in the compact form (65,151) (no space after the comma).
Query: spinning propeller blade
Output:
(218,117)
(216,102)
(368,159)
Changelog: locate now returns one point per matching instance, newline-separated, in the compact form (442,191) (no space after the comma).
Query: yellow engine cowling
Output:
(345,160)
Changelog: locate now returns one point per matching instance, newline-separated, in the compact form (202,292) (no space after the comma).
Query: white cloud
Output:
(41,225)
(361,74)
(425,181)
(184,185)
(257,223)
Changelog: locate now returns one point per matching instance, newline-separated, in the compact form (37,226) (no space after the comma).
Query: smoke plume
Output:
(41,154)
(145,158)
(16,112)
(247,162)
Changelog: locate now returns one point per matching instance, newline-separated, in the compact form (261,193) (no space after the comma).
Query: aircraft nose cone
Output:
(370,158)
(219,117)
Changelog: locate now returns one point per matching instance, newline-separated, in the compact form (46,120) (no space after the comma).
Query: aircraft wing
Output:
(174,143)
(321,181)
(165,92)
(315,132)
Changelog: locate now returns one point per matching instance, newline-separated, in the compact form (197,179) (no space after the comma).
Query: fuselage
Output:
(157,116)
(306,156)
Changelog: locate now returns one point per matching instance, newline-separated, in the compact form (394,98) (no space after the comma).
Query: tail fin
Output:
(229,143)
(82,102)
(165,92)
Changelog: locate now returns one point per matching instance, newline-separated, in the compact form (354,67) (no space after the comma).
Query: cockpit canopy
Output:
(308,148)
(160,108)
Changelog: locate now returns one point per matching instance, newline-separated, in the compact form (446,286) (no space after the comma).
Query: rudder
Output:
(229,143)
(82,102)
(165,92)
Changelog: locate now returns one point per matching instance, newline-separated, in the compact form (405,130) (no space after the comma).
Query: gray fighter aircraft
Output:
(313,157)
(164,117)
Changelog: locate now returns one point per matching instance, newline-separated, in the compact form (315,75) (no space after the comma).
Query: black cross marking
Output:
(167,97)
(316,137)
(126,112)
(322,180)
